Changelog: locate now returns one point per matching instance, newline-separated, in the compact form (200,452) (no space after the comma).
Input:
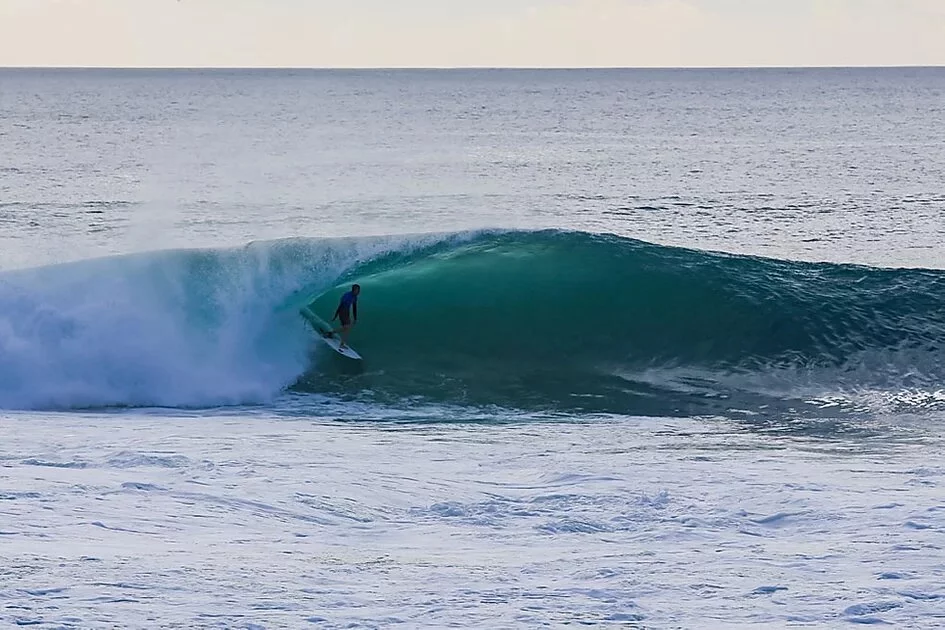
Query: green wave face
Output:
(553,320)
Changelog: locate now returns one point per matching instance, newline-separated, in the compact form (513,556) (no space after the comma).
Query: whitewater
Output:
(645,349)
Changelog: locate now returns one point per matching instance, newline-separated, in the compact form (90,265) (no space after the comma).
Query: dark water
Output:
(840,165)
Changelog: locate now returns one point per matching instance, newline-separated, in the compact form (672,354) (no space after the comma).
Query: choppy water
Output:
(643,348)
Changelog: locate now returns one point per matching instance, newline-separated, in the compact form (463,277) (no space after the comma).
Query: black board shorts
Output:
(344,317)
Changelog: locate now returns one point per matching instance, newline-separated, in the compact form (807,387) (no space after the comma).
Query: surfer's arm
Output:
(337,310)
(354,308)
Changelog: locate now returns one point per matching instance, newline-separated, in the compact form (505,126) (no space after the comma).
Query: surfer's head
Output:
(355,288)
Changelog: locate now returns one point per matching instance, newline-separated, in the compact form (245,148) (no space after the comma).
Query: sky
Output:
(471,33)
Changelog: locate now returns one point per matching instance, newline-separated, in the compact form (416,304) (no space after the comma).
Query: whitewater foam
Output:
(173,328)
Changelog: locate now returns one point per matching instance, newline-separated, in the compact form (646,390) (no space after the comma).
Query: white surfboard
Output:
(333,341)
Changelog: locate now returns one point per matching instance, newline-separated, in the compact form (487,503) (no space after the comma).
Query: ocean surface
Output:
(643,348)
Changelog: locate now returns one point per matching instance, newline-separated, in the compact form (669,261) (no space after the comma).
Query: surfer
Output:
(346,307)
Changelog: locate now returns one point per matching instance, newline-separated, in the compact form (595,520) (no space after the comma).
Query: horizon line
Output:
(441,68)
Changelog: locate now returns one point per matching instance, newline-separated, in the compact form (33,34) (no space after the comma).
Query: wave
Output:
(558,319)
(528,320)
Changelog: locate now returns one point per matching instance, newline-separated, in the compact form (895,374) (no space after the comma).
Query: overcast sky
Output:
(450,33)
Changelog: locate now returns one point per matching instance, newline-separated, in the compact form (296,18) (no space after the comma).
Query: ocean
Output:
(642,348)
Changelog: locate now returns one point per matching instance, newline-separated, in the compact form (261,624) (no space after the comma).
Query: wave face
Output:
(554,319)
(529,320)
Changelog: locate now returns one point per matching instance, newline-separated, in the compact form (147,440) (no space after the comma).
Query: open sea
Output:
(642,349)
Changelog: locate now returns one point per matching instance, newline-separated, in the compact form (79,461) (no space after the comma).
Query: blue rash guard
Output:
(349,302)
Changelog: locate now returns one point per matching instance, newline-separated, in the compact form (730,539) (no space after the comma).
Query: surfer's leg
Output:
(345,322)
